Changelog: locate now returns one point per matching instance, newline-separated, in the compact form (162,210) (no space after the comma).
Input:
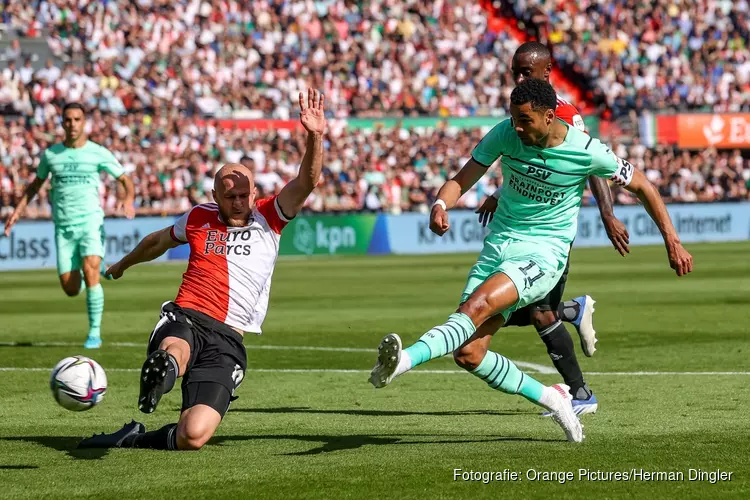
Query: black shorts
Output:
(217,356)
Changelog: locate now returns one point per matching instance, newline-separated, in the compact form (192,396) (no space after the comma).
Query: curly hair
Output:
(538,92)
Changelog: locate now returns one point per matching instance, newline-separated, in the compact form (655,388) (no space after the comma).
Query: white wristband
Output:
(496,194)
(441,203)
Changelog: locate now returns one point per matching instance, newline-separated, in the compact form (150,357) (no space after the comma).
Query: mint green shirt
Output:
(543,188)
(75,180)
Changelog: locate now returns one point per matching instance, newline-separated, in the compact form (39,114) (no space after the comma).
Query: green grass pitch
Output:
(308,425)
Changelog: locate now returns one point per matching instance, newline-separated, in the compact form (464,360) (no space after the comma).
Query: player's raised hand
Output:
(312,111)
(679,259)
(12,219)
(487,210)
(439,220)
(618,234)
(115,270)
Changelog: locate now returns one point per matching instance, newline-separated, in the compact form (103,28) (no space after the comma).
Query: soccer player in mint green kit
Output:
(545,163)
(77,214)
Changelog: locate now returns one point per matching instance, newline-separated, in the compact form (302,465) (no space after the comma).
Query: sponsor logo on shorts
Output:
(237,376)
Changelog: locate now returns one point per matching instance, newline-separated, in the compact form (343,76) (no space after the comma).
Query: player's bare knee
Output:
(91,272)
(192,435)
(70,290)
(469,356)
(543,319)
(477,308)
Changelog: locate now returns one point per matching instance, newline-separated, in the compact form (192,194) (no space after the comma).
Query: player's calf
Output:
(197,424)
(470,355)
(71,283)
(559,345)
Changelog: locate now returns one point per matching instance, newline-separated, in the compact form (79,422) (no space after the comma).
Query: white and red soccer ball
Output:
(78,383)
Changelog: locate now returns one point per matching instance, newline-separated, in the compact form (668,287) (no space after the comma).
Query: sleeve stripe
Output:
(479,162)
(280,212)
(174,236)
(589,143)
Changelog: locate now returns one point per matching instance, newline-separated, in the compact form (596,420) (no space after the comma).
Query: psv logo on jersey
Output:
(539,173)
(228,243)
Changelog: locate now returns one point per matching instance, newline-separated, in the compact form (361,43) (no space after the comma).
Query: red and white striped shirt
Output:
(569,114)
(230,268)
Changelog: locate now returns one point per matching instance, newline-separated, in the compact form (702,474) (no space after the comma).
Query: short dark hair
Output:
(538,92)
(73,105)
(536,48)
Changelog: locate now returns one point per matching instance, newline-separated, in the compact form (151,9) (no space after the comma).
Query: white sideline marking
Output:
(535,367)
(522,364)
(138,344)
(428,372)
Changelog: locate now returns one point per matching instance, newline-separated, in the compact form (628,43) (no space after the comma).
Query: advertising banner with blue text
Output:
(31,244)
(410,233)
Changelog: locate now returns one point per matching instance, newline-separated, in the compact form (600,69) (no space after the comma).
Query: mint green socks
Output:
(502,374)
(498,371)
(95,306)
(441,340)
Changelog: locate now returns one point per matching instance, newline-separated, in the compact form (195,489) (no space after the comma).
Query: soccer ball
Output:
(78,383)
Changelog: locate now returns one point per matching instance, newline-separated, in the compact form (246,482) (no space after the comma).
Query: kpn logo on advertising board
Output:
(328,235)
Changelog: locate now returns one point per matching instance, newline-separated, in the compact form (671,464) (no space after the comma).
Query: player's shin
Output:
(560,349)
(502,374)
(95,306)
(441,340)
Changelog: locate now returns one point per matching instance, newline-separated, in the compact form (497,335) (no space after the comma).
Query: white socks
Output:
(551,398)
(404,365)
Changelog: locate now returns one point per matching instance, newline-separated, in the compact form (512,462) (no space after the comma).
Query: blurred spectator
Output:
(251,58)
(156,74)
(663,54)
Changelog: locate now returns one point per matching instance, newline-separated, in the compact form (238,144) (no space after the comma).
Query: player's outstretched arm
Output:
(312,115)
(150,247)
(126,204)
(679,258)
(451,191)
(616,230)
(29,193)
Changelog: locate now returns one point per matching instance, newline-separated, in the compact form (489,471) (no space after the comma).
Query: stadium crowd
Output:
(663,54)
(152,68)
(220,57)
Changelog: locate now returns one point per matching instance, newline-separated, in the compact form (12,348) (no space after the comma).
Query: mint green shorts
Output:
(78,241)
(534,268)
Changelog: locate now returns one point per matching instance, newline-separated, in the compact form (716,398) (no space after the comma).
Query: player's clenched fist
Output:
(679,259)
(439,220)
(115,270)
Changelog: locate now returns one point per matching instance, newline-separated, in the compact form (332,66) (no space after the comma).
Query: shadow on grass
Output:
(383,413)
(329,443)
(356,441)
(62,443)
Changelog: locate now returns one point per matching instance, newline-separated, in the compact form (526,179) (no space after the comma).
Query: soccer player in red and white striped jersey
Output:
(234,243)
(534,60)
